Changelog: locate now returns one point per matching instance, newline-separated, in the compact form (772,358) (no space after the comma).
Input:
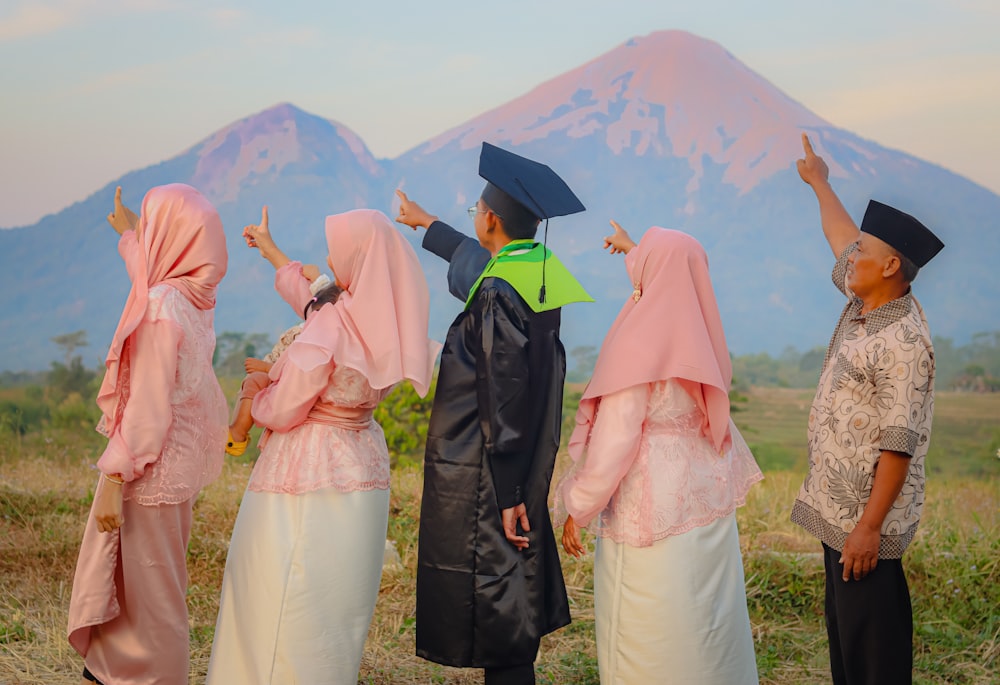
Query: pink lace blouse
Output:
(168,373)
(320,428)
(649,473)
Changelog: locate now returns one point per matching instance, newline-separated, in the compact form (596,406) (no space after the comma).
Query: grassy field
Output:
(46,486)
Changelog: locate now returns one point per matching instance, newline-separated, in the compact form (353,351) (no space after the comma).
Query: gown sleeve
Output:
(503,388)
(287,401)
(292,286)
(147,416)
(614,444)
(465,256)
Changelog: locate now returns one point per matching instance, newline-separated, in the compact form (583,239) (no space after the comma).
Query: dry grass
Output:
(954,569)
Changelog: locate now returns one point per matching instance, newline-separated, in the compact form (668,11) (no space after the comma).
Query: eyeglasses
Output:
(474,209)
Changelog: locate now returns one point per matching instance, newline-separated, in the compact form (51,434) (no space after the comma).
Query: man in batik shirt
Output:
(869,430)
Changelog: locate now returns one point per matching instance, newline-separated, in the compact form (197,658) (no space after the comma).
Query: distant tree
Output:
(65,380)
(584,360)
(232,348)
(69,342)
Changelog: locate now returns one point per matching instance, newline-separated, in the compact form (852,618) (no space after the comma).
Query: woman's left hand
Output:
(108,506)
(571,539)
(259,236)
(122,218)
(619,242)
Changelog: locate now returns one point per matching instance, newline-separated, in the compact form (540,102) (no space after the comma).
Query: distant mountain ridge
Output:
(667,129)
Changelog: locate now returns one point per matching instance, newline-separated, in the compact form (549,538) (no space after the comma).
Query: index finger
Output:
(263,216)
(806,145)
(401,195)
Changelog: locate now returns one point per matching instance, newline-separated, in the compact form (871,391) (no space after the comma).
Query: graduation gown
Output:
(491,444)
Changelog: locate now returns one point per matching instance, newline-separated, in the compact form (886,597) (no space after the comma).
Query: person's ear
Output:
(891,266)
(492,222)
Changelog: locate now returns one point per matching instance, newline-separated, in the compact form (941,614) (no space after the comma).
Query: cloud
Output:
(33,18)
(30,20)
(939,85)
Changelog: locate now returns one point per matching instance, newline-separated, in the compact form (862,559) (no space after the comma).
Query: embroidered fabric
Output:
(677,481)
(319,454)
(283,342)
(192,453)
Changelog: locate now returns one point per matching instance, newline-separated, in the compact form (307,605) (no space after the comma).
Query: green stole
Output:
(519,263)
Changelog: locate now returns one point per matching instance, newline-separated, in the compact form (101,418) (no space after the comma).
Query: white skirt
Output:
(674,612)
(300,586)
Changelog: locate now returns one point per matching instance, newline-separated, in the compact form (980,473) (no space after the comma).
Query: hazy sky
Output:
(92,89)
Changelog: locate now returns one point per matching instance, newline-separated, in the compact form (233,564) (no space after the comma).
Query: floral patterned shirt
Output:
(876,392)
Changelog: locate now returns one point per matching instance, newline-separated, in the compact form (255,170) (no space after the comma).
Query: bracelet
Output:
(117,480)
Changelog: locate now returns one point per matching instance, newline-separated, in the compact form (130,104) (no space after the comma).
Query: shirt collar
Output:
(883,316)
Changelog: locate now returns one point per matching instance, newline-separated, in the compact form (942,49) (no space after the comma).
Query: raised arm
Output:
(259,236)
(619,242)
(465,256)
(122,218)
(838,227)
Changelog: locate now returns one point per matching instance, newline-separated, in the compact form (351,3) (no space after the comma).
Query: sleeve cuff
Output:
(899,439)
(117,459)
(509,497)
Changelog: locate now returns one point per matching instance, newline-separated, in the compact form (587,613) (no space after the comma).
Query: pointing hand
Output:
(812,168)
(122,218)
(620,242)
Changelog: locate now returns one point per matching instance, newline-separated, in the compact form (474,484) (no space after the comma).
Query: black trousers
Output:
(512,675)
(869,623)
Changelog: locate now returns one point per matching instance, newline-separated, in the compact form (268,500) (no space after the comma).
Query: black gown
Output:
(491,444)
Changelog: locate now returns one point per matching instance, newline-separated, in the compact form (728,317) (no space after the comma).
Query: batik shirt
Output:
(876,392)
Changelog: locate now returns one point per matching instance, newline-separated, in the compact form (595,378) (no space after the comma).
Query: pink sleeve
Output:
(288,400)
(614,442)
(293,286)
(147,416)
(130,250)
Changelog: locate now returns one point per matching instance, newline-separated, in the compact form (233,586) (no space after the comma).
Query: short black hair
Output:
(518,225)
(907,267)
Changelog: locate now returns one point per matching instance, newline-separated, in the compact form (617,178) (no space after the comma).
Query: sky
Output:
(93,89)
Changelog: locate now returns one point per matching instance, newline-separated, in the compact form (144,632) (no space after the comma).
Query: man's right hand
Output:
(411,214)
(812,168)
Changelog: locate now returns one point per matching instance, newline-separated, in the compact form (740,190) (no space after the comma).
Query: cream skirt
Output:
(299,590)
(674,612)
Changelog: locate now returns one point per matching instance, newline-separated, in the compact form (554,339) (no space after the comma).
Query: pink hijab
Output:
(672,331)
(378,326)
(178,240)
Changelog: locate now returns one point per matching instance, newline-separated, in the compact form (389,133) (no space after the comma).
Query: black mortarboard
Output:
(901,231)
(515,184)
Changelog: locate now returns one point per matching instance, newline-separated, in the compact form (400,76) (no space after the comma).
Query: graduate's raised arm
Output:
(838,227)
(411,214)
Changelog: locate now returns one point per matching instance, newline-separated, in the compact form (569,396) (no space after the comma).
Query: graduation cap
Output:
(902,232)
(522,191)
(520,186)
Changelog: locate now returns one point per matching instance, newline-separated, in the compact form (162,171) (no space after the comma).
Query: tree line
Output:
(63,396)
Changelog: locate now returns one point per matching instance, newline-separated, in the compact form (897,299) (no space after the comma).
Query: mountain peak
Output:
(269,142)
(666,94)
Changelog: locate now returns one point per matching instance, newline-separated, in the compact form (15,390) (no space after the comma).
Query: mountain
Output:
(667,129)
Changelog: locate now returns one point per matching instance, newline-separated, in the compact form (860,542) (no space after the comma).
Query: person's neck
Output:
(500,244)
(883,296)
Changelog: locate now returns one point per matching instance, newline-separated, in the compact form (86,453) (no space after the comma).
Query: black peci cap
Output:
(517,186)
(901,231)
